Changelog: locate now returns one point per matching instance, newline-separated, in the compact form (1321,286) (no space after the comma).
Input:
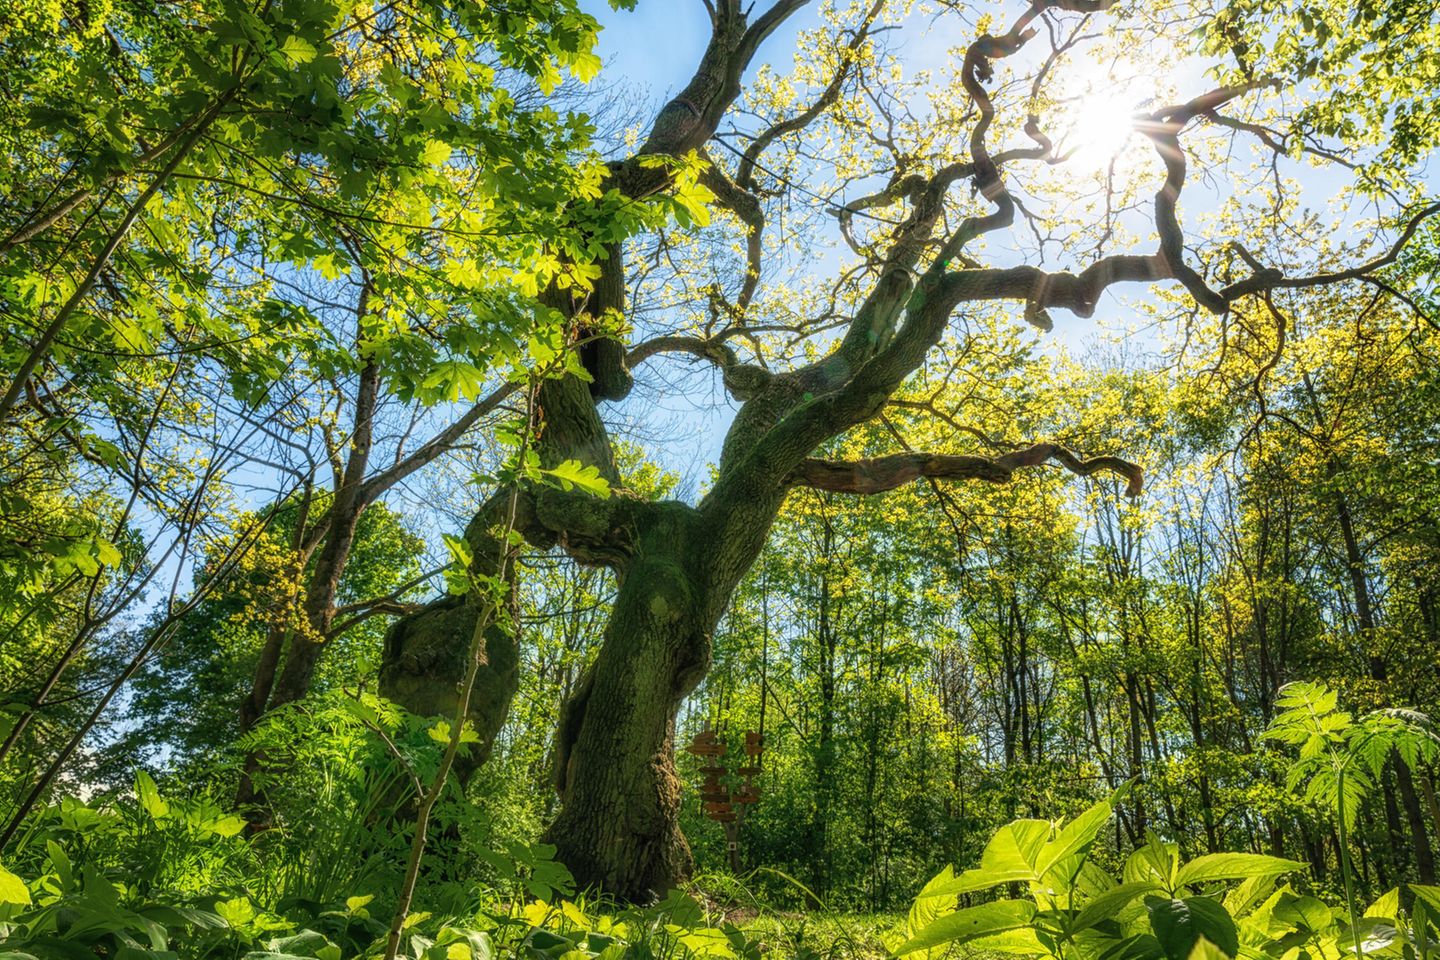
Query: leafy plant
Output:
(1341,759)
(1157,908)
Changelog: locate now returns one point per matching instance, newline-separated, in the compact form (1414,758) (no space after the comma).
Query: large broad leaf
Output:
(149,796)
(178,916)
(1154,860)
(1015,847)
(972,880)
(1307,912)
(572,474)
(1139,947)
(1021,941)
(1245,895)
(1009,857)
(306,943)
(1105,905)
(931,902)
(1074,836)
(972,923)
(1386,906)
(1205,950)
(1179,925)
(1233,866)
(1430,895)
(12,888)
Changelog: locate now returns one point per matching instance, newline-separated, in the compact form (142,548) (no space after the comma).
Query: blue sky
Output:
(660,42)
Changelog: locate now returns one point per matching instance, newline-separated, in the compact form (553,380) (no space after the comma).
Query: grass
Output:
(821,934)
(806,928)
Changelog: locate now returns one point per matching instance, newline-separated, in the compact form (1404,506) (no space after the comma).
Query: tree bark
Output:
(618,827)
(423,664)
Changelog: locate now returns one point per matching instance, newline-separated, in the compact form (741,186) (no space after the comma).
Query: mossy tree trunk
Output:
(618,827)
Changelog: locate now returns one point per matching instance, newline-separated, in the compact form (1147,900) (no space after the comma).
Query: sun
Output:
(1101,125)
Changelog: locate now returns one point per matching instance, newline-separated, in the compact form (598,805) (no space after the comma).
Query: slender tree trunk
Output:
(309,635)
(1415,815)
(825,642)
(1379,671)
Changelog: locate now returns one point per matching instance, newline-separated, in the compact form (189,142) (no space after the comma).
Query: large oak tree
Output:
(948,196)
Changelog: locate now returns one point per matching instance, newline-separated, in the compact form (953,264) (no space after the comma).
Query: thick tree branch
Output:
(716,351)
(887,473)
(435,446)
(1274,280)
(1163,129)
(743,380)
(746,206)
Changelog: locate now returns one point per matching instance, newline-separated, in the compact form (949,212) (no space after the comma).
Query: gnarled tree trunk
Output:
(423,661)
(618,828)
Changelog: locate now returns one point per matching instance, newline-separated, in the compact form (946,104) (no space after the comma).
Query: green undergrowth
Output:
(802,935)
(148,875)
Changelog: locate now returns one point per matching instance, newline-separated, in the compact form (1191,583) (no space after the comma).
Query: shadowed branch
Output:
(887,473)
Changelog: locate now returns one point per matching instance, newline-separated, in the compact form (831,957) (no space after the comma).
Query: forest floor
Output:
(831,935)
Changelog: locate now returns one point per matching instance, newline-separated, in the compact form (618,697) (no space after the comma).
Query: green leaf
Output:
(1074,836)
(225,826)
(61,864)
(149,796)
(330,266)
(1105,905)
(1205,950)
(972,880)
(1022,941)
(1386,906)
(436,152)
(459,549)
(572,474)
(355,903)
(12,889)
(1430,895)
(1015,847)
(931,902)
(1233,866)
(1179,925)
(107,553)
(440,732)
(454,379)
(971,923)
(584,66)
(1308,912)
(298,50)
